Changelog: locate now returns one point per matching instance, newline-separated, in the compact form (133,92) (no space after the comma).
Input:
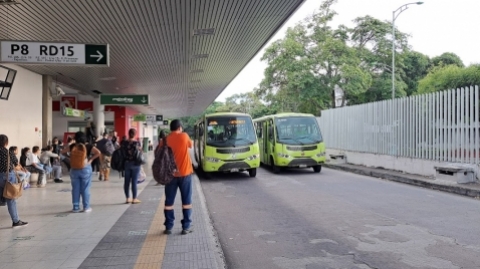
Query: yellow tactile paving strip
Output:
(153,249)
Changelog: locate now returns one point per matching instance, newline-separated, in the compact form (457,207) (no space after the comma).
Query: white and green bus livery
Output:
(290,140)
(226,142)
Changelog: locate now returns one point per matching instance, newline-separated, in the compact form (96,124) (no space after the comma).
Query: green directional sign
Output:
(140,117)
(124,99)
(70,112)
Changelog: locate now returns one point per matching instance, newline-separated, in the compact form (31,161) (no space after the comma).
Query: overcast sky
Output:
(435,27)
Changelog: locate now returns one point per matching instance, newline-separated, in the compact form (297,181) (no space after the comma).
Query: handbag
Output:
(12,190)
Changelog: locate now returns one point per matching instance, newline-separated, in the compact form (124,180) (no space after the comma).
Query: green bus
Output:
(290,140)
(226,142)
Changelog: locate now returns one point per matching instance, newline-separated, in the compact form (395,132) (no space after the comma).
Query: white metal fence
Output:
(441,126)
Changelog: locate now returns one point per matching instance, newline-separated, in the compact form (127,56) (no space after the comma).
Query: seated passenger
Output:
(34,165)
(45,158)
(19,169)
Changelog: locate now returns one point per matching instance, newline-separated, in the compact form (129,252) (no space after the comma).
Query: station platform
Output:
(113,235)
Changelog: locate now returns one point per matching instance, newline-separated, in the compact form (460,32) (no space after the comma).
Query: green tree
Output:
(416,66)
(189,122)
(449,77)
(248,103)
(447,58)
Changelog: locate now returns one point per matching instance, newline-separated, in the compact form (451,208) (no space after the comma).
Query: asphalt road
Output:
(334,219)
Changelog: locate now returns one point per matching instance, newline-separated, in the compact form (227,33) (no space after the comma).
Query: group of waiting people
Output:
(81,176)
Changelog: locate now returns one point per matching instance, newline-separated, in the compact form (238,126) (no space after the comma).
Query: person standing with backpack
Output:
(106,147)
(81,157)
(180,144)
(132,152)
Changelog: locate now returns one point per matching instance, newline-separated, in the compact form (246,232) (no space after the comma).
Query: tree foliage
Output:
(449,77)
(447,58)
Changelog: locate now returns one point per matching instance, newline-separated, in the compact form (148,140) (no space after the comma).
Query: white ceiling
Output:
(153,47)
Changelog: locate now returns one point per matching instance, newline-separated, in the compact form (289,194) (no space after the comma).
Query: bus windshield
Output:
(298,130)
(230,131)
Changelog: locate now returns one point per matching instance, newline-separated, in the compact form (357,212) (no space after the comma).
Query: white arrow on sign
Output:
(143,100)
(99,56)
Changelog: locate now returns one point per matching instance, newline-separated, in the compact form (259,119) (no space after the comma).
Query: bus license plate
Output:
(302,166)
(234,170)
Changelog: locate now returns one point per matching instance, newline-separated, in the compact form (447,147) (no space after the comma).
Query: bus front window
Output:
(298,130)
(230,131)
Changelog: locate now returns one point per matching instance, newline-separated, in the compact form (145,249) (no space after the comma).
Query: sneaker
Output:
(129,201)
(100,177)
(3,203)
(167,232)
(88,210)
(57,180)
(187,231)
(136,201)
(19,224)
(76,210)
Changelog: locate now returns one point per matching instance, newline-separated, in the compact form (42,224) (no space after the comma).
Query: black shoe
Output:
(19,224)
(3,203)
(100,177)
(187,231)
(57,180)
(167,232)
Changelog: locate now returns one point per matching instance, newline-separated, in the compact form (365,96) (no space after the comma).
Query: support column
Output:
(47,123)
(99,117)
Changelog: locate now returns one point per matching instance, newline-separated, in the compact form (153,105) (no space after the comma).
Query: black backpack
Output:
(164,166)
(118,160)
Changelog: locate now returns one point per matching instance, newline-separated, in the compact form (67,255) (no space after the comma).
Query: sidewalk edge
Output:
(215,244)
(460,190)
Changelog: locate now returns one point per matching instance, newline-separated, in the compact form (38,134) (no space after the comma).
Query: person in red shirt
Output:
(180,144)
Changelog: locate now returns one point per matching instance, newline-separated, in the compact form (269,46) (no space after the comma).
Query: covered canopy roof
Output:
(181,52)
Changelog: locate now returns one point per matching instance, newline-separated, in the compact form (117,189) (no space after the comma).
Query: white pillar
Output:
(47,122)
(99,117)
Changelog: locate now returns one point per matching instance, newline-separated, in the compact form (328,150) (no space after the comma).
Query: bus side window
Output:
(270,130)
(259,129)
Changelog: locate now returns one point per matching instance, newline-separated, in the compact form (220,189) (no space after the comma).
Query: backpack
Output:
(118,160)
(78,156)
(164,166)
(108,148)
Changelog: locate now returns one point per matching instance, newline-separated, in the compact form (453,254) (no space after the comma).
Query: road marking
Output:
(153,249)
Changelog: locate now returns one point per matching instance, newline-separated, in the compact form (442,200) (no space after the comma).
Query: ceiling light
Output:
(9,2)
(108,78)
(206,31)
(200,56)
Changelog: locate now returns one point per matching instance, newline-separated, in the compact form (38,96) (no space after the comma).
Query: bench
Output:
(457,173)
(338,158)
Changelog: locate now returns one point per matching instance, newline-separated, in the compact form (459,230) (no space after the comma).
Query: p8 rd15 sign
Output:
(29,52)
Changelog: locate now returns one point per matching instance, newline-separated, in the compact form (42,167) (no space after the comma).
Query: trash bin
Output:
(145,144)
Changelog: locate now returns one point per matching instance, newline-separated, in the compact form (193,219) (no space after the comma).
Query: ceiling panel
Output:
(153,49)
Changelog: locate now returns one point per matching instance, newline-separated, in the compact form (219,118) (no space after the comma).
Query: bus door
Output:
(270,141)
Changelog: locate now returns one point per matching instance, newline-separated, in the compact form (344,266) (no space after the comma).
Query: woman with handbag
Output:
(10,188)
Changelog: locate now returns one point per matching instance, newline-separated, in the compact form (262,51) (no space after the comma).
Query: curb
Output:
(460,190)
(212,234)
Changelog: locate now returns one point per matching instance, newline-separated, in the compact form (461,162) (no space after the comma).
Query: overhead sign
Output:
(124,99)
(150,118)
(140,117)
(71,112)
(30,52)
(165,122)
(159,118)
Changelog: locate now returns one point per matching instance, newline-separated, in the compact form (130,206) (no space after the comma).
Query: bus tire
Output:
(252,172)
(317,168)
(275,168)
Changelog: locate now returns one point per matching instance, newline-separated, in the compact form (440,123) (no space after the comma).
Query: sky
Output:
(435,27)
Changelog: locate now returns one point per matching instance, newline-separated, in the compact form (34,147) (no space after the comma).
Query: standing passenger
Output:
(81,170)
(180,144)
(132,167)
(7,172)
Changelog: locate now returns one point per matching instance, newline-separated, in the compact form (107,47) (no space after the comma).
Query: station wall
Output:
(21,115)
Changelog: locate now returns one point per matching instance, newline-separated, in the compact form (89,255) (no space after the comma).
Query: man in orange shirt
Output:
(180,144)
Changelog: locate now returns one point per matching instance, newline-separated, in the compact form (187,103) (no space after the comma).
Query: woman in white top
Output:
(34,165)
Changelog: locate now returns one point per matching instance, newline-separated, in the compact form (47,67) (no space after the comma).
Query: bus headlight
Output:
(281,155)
(253,157)
(321,154)
(212,160)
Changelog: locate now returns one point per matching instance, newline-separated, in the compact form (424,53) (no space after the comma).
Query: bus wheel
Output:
(252,172)
(275,168)
(317,168)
